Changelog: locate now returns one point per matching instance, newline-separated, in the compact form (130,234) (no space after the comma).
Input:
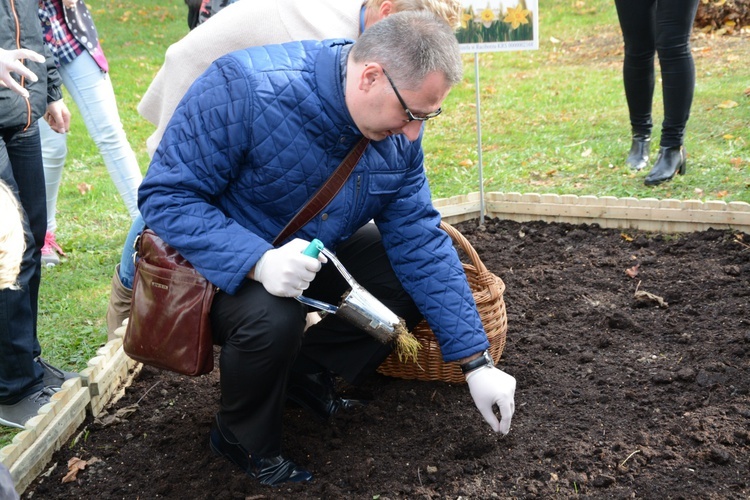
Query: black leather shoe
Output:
(269,471)
(669,162)
(639,151)
(315,392)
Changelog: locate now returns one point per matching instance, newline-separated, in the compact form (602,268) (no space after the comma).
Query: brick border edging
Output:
(647,214)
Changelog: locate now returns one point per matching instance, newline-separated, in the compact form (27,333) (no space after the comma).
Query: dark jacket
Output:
(20,29)
(254,138)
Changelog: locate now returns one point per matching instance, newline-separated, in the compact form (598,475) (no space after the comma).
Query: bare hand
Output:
(58,116)
(11,62)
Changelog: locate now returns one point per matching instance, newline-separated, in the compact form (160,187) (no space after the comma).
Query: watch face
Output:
(489,359)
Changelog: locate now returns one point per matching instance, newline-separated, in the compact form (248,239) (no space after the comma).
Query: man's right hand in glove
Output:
(286,271)
(10,62)
(490,388)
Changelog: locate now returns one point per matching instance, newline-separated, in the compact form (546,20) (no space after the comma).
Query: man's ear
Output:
(370,74)
(386,9)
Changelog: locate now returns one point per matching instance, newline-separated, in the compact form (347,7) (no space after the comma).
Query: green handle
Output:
(314,248)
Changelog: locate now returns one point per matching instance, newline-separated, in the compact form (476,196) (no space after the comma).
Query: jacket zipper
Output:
(23,78)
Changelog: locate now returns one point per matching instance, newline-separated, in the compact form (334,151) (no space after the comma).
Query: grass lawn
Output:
(552,121)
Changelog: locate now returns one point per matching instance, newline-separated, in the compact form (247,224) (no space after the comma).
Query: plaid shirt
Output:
(57,36)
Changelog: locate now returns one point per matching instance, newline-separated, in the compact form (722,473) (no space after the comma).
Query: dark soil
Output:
(617,397)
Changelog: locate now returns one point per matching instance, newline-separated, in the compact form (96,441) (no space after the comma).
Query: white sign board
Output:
(499,25)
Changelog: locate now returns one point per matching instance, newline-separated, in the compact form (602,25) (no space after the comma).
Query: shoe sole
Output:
(8,423)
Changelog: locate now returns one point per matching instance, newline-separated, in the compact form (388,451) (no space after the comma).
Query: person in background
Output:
(12,243)
(11,249)
(71,36)
(276,121)
(199,11)
(275,21)
(26,380)
(660,27)
(7,489)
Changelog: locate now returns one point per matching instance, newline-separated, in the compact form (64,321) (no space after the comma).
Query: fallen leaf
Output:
(722,194)
(119,416)
(84,188)
(466,163)
(633,271)
(727,104)
(747,92)
(641,295)
(728,137)
(735,162)
(75,464)
(626,237)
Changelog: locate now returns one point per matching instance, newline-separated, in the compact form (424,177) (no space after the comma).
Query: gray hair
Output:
(410,45)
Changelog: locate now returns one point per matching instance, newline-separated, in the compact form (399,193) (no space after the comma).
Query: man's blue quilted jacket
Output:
(254,138)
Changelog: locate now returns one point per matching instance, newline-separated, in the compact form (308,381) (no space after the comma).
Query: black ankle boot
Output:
(315,392)
(668,163)
(639,150)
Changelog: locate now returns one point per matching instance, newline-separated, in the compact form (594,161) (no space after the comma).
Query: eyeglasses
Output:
(409,114)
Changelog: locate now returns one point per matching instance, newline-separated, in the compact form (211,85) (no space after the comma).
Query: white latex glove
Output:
(286,271)
(10,62)
(489,387)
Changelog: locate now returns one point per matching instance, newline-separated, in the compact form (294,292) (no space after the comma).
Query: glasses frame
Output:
(409,115)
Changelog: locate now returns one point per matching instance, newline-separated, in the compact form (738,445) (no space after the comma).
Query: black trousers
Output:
(660,27)
(263,339)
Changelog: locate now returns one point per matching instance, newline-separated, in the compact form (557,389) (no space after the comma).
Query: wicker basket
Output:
(488,294)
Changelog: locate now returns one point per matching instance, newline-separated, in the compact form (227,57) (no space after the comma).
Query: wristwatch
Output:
(484,360)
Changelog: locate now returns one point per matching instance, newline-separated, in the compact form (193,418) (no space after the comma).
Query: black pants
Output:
(658,27)
(263,339)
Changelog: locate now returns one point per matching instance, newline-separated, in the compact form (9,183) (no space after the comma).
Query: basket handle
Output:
(485,276)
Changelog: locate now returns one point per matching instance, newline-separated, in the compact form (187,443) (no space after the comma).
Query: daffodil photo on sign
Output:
(498,25)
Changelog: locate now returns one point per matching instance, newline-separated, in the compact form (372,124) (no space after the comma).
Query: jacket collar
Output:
(329,72)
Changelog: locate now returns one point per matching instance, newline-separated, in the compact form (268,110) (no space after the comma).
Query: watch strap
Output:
(484,360)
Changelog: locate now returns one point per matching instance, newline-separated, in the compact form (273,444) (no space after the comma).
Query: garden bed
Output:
(631,353)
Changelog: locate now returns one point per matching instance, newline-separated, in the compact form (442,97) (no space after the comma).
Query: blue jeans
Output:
(127,260)
(91,89)
(21,168)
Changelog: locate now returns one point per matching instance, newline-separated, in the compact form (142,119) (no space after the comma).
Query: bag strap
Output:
(325,193)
